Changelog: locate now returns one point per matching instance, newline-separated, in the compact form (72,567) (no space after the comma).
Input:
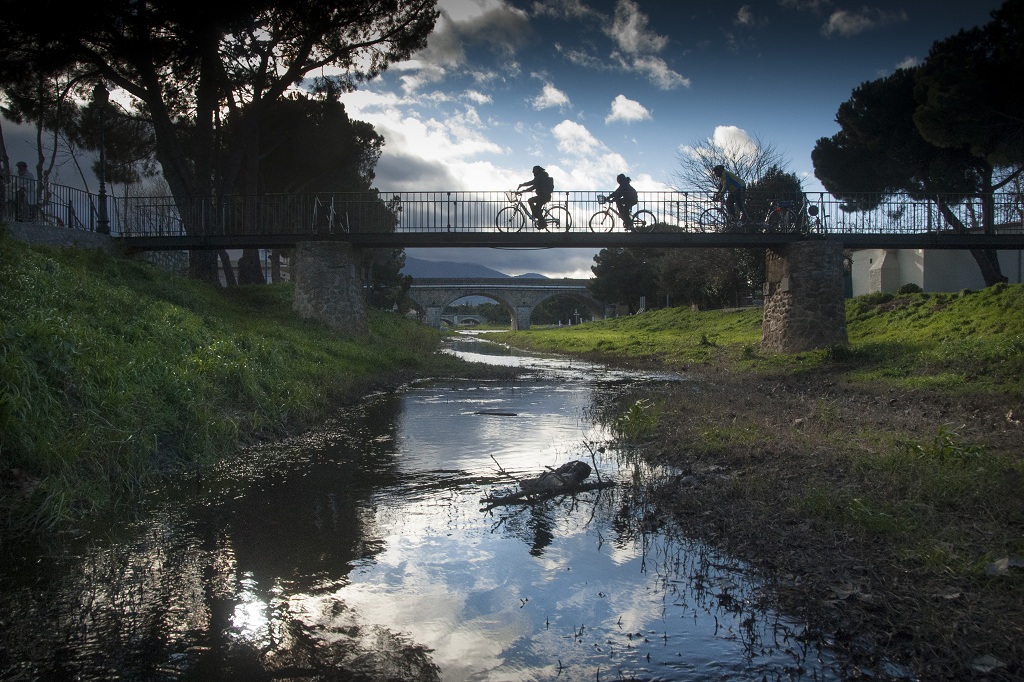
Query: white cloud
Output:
(627,111)
(638,48)
(478,97)
(908,63)
(575,139)
(549,97)
(561,9)
(734,142)
(629,30)
(659,73)
(586,162)
(426,152)
(847,23)
(745,16)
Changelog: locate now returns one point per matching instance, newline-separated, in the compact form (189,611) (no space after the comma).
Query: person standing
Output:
(543,186)
(24,186)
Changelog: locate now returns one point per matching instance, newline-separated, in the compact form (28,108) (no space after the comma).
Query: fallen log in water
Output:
(565,480)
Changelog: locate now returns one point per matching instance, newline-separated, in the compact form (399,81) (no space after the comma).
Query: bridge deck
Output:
(481,219)
(535,240)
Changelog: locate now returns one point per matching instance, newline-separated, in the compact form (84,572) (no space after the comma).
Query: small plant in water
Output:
(637,422)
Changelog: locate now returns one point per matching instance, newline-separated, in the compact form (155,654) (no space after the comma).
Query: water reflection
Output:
(364,552)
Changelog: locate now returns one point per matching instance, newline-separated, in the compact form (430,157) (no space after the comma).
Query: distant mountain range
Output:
(416,267)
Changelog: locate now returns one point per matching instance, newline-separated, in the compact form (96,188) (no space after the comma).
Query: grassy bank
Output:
(113,372)
(878,485)
(969,340)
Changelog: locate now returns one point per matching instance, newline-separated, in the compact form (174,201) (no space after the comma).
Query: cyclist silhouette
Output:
(542,186)
(625,199)
(733,189)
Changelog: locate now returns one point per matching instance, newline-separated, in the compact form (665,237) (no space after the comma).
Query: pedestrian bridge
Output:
(519,296)
(382,219)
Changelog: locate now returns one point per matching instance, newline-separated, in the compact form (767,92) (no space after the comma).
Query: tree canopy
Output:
(199,72)
(969,92)
(936,132)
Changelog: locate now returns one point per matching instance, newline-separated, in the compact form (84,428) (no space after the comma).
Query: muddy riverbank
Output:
(890,520)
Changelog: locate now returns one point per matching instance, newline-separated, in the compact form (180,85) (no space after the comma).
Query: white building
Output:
(934,270)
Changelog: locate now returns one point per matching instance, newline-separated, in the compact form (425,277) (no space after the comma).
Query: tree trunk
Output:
(249,269)
(275,266)
(987,259)
(229,272)
(988,263)
(202,265)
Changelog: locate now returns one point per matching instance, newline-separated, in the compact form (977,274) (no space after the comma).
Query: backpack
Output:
(546,184)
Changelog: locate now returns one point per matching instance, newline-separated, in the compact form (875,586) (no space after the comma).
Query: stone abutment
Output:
(328,286)
(804,303)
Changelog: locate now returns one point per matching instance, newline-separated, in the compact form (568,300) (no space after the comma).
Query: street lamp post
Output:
(101,97)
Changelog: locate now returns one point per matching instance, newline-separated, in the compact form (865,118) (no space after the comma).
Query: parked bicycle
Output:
(516,215)
(605,219)
(794,216)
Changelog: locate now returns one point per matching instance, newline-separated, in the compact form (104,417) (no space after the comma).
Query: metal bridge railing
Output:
(464,211)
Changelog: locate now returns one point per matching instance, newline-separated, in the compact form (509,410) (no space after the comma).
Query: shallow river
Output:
(365,551)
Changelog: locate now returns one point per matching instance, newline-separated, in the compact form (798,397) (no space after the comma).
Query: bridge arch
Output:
(518,296)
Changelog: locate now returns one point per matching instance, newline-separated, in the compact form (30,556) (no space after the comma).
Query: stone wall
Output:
(804,304)
(328,287)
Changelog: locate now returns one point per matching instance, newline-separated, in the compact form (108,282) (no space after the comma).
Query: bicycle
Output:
(794,216)
(604,220)
(718,219)
(514,217)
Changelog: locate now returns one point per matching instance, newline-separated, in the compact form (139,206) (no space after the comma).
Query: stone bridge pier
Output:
(328,285)
(804,302)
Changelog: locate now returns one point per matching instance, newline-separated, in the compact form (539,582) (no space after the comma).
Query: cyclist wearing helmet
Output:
(625,199)
(732,187)
(543,186)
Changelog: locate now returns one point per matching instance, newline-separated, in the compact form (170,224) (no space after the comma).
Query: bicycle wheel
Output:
(713,219)
(602,221)
(644,221)
(509,219)
(781,220)
(558,218)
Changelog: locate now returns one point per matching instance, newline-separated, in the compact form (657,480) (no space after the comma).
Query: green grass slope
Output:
(112,372)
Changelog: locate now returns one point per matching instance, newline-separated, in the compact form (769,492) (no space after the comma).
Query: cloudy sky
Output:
(592,88)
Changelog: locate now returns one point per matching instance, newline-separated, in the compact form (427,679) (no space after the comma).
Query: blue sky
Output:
(592,88)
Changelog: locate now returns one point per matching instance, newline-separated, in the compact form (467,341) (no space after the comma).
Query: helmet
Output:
(718,170)
(621,178)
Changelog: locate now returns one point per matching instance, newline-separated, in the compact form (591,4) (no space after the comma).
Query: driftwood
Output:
(567,479)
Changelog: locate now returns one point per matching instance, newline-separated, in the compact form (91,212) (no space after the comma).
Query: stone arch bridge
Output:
(519,296)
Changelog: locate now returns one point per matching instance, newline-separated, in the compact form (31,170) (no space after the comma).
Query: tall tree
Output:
(623,276)
(187,64)
(968,90)
(879,152)
(717,277)
(748,157)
